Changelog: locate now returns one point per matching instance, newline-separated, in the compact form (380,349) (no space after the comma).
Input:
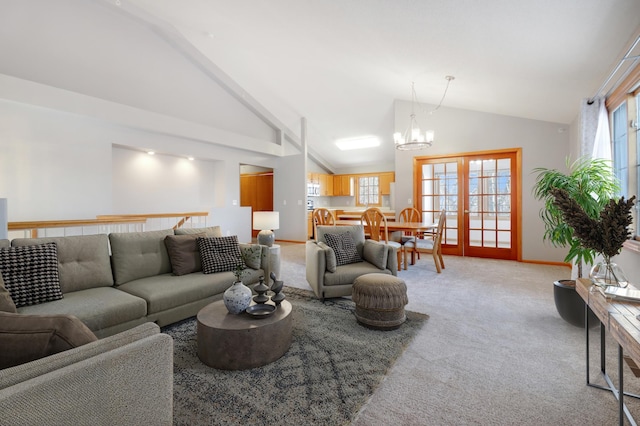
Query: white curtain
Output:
(589,125)
(602,142)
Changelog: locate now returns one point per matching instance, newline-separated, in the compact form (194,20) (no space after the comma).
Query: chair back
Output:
(438,237)
(376,223)
(410,214)
(322,216)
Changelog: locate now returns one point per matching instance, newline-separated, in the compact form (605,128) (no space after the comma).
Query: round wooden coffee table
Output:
(237,342)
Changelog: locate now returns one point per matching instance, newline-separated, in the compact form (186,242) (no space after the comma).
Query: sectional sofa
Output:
(117,281)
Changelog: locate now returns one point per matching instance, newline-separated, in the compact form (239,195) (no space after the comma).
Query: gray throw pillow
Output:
(183,253)
(30,273)
(6,303)
(252,255)
(25,338)
(375,253)
(344,247)
(330,257)
(220,254)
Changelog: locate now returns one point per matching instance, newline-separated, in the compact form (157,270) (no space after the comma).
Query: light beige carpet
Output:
(494,351)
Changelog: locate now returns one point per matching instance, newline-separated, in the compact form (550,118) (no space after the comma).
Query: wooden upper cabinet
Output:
(385,182)
(326,185)
(342,185)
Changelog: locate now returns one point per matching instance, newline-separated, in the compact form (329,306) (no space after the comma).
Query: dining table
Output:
(394,226)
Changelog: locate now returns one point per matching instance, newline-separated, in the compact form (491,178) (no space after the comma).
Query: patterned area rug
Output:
(330,371)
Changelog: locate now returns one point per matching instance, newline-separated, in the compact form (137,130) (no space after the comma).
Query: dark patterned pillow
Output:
(30,273)
(219,254)
(344,247)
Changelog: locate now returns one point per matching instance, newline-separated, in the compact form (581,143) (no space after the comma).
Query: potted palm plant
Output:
(591,183)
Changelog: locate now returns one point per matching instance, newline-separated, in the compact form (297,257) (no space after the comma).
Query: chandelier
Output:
(413,138)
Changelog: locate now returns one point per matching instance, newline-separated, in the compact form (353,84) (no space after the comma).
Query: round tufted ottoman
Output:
(380,300)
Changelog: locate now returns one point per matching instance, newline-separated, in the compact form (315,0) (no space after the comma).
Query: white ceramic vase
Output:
(237,298)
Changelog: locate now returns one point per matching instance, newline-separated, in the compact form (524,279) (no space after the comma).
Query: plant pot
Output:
(570,305)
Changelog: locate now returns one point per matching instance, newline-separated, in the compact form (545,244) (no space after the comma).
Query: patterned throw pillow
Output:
(344,247)
(219,254)
(30,273)
(252,255)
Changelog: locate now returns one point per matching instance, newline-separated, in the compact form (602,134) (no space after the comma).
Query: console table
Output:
(619,319)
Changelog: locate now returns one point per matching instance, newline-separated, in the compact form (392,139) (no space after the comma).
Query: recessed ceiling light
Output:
(151,152)
(190,158)
(359,142)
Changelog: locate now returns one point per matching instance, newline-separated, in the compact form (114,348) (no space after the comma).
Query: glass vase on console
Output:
(607,273)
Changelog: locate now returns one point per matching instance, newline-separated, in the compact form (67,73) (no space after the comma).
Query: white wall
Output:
(543,144)
(52,165)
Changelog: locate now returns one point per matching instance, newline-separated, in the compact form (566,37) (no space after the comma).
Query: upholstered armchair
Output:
(334,262)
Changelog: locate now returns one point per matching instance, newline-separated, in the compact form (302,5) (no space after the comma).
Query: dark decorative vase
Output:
(570,305)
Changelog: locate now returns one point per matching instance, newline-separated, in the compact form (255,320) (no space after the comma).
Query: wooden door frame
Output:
(517,152)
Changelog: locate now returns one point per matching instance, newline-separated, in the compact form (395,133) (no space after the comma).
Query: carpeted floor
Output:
(332,368)
(494,351)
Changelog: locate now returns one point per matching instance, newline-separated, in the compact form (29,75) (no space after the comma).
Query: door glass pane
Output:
(489,239)
(504,239)
(475,238)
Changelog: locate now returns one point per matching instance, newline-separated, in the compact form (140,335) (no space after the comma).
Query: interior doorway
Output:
(480,194)
(256,190)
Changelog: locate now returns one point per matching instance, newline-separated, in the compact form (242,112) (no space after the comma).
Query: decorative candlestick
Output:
(261,289)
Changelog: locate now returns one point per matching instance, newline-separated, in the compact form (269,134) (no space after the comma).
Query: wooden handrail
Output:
(152,215)
(39,224)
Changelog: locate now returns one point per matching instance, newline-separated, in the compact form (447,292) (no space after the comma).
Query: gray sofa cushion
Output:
(346,274)
(137,255)
(25,338)
(99,308)
(211,231)
(5,243)
(30,273)
(83,260)
(167,291)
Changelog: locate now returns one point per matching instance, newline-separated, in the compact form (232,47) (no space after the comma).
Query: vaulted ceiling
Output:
(341,64)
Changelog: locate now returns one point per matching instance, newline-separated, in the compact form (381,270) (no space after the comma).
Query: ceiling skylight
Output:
(358,143)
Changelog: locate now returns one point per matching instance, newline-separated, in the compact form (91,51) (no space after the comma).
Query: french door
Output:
(480,195)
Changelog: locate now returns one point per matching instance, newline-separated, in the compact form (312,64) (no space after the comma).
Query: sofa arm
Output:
(392,260)
(316,264)
(129,384)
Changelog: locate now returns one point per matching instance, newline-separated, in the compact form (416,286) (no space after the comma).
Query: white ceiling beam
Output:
(175,39)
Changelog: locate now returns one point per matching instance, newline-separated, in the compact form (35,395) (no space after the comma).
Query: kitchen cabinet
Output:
(385,182)
(342,185)
(310,225)
(326,185)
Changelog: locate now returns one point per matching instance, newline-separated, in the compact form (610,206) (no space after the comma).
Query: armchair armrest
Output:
(316,265)
(392,260)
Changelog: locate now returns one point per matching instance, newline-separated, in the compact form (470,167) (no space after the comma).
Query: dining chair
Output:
(322,216)
(408,214)
(428,245)
(376,223)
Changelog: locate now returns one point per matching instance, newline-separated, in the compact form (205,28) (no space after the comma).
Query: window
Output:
(625,106)
(368,191)
(620,149)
